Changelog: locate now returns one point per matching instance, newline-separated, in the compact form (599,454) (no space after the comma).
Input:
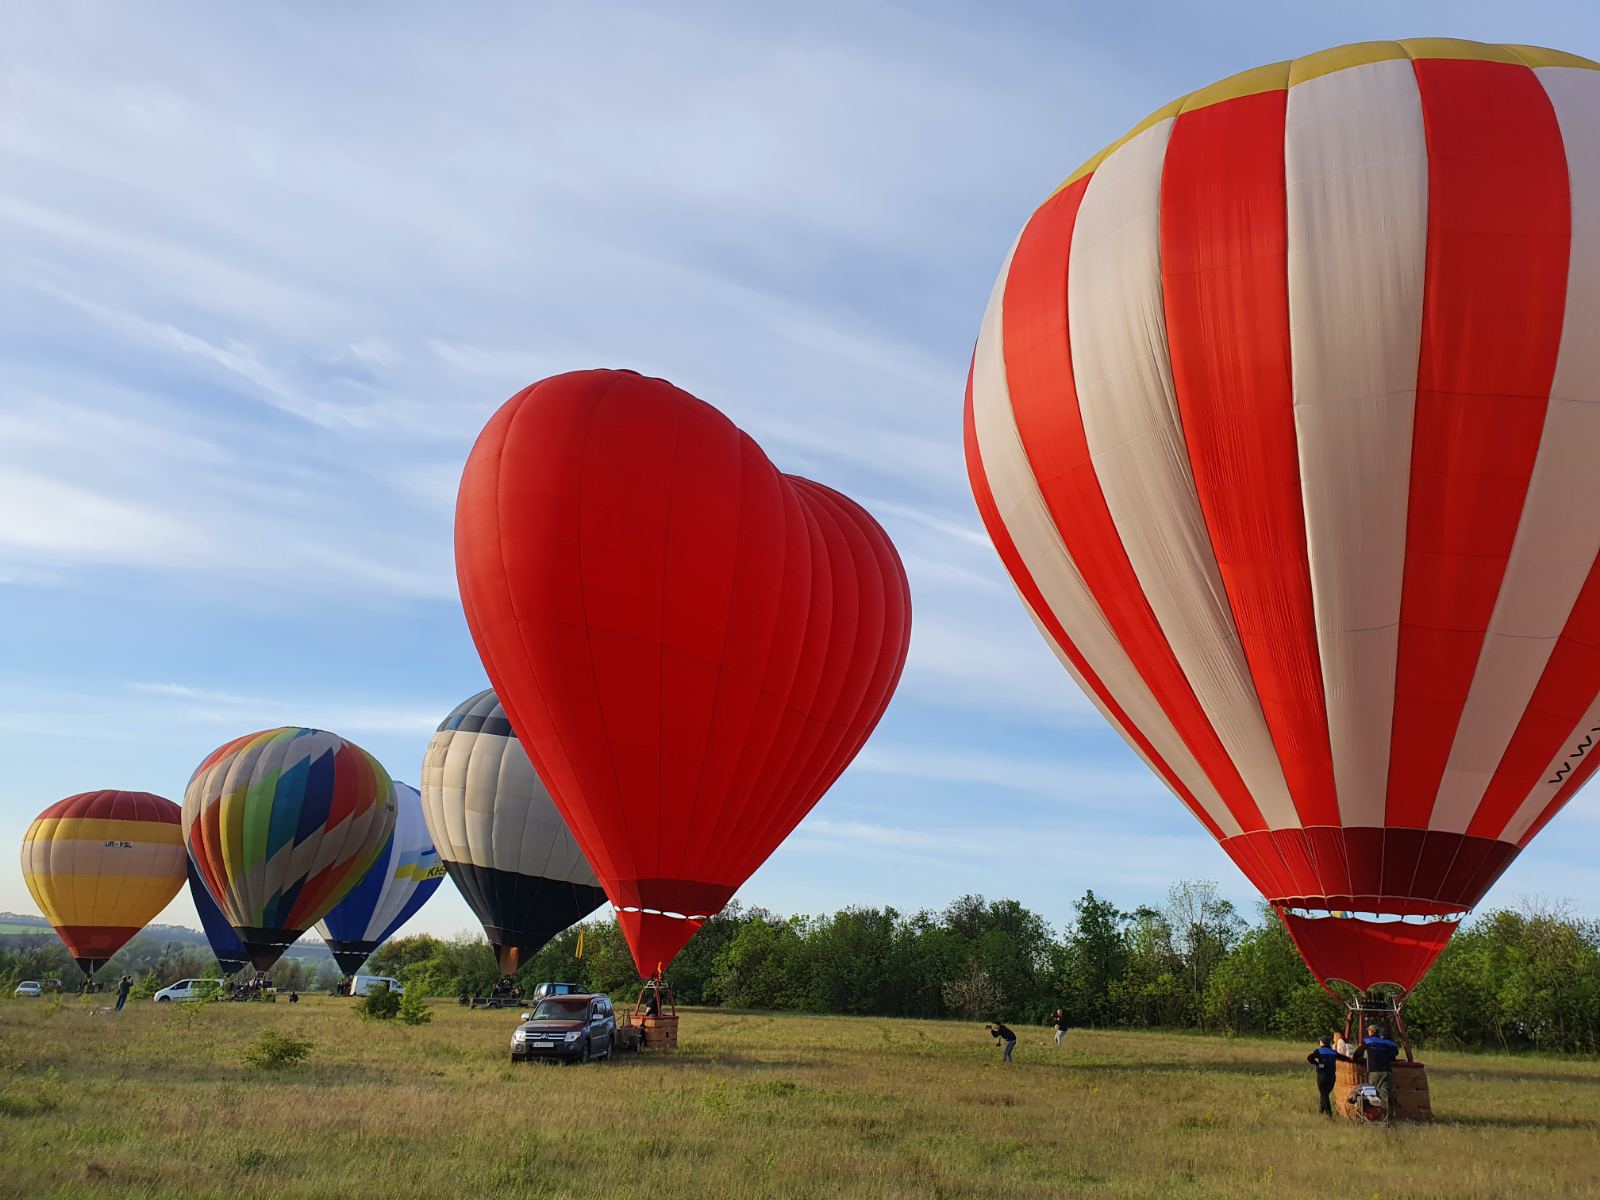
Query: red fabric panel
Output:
(112,804)
(691,645)
(883,620)
(1392,871)
(1499,233)
(95,941)
(1023,579)
(1566,690)
(1044,400)
(1328,853)
(1367,953)
(1224,273)
(654,939)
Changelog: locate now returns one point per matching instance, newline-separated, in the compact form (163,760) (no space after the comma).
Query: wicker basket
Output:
(1408,1090)
(661,1033)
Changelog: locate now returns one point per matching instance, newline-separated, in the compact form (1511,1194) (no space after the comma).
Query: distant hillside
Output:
(309,950)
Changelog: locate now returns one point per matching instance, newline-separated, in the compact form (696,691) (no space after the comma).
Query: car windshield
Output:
(560,1008)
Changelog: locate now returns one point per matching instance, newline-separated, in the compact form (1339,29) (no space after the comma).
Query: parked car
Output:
(29,989)
(188,989)
(557,989)
(361,985)
(569,1028)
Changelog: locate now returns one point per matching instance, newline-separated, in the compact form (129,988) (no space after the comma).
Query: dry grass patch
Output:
(159,1101)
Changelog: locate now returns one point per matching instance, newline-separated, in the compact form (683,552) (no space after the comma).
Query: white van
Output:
(187,989)
(360,985)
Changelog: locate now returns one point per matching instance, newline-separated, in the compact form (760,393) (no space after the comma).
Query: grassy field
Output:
(158,1101)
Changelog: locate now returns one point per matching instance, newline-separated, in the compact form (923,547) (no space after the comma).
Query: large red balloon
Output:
(1284,418)
(691,645)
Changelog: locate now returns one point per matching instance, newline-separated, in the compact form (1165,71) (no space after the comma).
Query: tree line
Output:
(1511,980)
(1523,979)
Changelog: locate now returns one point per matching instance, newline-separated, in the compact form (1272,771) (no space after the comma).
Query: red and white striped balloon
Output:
(1284,417)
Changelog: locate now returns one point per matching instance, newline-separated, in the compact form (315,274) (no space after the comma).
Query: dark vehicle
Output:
(572,1028)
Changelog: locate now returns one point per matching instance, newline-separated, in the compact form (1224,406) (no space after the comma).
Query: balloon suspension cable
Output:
(1377,1012)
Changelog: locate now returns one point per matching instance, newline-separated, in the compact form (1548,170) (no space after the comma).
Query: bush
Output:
(379,1004)
(273,1052)
(413,1009)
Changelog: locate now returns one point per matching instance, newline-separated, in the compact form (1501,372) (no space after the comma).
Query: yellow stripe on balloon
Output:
(101,829)
(115,900)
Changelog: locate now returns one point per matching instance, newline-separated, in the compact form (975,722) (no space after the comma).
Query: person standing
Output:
(1000,1033)
(1325,1059)
(1377,1053)
(1059,1021)
(124,986)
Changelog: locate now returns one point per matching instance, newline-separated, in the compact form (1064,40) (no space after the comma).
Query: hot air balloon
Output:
(691,644)
(499,834)
(101,866)
(406,873)
(1282,418)
(281,825)
(226,947)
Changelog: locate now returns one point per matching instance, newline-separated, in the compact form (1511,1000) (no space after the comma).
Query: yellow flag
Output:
(579,953)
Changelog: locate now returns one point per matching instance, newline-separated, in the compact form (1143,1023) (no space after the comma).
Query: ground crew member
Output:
(1001,1033)
(1059,1020)
(124,986)
(1325,1059)
(1378,1053)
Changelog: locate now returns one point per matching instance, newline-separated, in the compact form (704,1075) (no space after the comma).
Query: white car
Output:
(30,988)
(187,989)
(360,985)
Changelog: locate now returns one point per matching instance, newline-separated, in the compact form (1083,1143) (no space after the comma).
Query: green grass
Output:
(159,1101)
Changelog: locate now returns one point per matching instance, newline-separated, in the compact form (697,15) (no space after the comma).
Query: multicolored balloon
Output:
(691,644)
(499,833)
(1284,418)
(281,825)
(399,883)
(101,866)
(225,945)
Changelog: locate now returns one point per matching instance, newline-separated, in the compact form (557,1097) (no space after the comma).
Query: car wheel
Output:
(163,999)
(585,1057)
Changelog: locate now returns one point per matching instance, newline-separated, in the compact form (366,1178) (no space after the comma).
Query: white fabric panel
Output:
(1356,167)
(1549,782)
(485,804)
(1027,519)
(1135,435)
(1559,537)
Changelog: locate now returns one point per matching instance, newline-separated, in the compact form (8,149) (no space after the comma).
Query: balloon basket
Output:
(1408,1081)
(655,1016)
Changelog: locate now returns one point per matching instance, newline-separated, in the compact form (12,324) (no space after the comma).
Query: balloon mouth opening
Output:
(1373,918)
(700,918)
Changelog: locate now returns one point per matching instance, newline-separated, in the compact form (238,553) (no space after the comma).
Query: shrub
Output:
(272,1051)
(413,1009)
(379,1004)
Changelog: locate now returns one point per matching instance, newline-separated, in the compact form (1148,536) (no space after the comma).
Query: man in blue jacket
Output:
(1377,1053)
(1325,1059)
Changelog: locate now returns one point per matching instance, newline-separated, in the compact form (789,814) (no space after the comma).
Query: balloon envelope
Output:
(405,874)
(225,945)
(499,833)
(101,866)
(1283,419)
(281,825)
(692,644)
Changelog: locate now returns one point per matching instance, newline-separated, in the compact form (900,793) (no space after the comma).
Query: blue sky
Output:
(270,268)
